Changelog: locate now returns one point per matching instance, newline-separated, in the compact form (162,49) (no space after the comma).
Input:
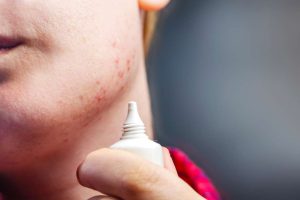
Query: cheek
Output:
(51,109)
(101,54)
(124,66)
(90,67)
(76,88)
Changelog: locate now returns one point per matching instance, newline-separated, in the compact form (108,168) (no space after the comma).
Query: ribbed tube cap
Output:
(133,124)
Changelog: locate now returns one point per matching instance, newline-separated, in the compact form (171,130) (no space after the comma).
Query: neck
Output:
(54,178)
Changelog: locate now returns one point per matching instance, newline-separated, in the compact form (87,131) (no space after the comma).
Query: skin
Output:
(63,96)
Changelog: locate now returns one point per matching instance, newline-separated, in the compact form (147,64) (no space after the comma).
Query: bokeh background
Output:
(225,84)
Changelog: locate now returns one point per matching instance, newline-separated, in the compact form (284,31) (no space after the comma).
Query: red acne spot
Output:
(121,74)
(99,98)
(128,64)
(81,97)
(86,124)
(98,82)
(114,44)
(76,116)
(100,95)
(117,62)
(66,140)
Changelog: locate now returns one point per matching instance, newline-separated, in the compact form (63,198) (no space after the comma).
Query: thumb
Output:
(124,175)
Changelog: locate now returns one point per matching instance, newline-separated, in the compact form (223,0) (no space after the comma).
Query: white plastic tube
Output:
(135,140)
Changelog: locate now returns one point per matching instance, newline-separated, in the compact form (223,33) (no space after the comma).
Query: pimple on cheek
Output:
(122,88)
(66,140)
(114,44)
(81,97)
(117,62)
(128,65)
(121,74)
(101,94)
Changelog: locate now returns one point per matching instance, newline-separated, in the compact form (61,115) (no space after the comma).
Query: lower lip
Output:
(7,50)
(7,45)
(3,51)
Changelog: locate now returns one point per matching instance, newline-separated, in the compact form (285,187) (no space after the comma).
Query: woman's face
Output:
(61,64)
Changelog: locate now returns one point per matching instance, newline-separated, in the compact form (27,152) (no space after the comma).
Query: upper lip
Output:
(9,42)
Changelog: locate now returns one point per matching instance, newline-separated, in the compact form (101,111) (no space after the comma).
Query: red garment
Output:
(193,175)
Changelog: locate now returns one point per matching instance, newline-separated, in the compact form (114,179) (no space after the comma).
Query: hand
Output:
(123,175)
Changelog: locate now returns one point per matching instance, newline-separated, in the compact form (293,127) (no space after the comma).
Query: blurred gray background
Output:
(225,83)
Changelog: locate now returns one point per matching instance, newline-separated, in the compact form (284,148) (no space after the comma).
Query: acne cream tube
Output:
(135,140)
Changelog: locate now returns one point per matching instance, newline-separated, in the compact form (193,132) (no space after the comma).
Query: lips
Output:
(8,43)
